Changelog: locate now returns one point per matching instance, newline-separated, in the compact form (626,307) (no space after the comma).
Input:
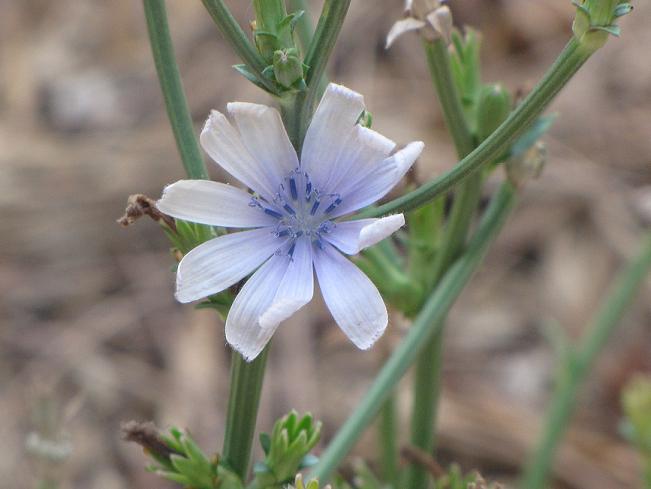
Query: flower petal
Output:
(296,288)
(243,331)
(219,263)
(359,154)
(331,124)
(212,203)
(379,180)
(353,300)
(224,145)
(351,237)
(264,135)
(401,27)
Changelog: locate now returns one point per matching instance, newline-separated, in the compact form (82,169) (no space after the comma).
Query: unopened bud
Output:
(288,68)
(493,108)
(526,166)
(441,20)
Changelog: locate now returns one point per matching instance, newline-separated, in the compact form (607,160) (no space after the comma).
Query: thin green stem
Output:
(238,40)
(565,66)
(172,88)
(243,402)
(424,327)
(579,363)
(428,367)
(388,438)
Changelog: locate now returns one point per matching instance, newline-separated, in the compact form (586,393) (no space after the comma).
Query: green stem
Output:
(424,327)
(427,379)
(243,403)
(238,40)
(317,56)
(579,364)
(428,367)
(565,66)
(304,26)
(388,438)
(647,473)
(172,88)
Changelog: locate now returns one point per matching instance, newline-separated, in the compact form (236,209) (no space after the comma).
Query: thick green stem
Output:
(238,40)
(428,367)
(426,325)
(427,379)
(243,403)
(565,66)
(172,88)
(304,26)
(579,363)
(388,438)
(317,56)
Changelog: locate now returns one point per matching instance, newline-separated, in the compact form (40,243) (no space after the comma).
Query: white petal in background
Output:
(219,263)
(332,123)
(380,180)
(351,237)
(401,27)
(243,331)
(224,145)
(351,297)
(212,203)
(296,288)
(265,137)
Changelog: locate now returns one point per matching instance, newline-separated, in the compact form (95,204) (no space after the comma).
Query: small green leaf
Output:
(265,442)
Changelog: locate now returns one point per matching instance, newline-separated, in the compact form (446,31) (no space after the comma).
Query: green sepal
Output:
(243,70)
(265,442)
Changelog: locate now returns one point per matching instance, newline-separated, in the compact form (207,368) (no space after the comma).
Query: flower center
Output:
(300,208)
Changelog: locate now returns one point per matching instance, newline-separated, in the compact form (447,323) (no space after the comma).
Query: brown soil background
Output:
(90,330)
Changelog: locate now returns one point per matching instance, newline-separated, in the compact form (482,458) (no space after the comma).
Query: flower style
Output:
(432,17)
(293,210)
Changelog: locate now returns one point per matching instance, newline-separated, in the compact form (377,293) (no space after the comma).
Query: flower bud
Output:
(441,20)
(493,107)
(287,449)
(636,401)
(527,165)
(288,68)
(595,21)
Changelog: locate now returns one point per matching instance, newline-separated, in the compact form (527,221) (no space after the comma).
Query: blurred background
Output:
(91,336)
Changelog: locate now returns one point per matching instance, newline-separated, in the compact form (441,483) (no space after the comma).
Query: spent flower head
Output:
(293,212)
(432,18)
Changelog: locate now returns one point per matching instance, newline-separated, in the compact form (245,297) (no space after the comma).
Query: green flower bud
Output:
(636,401)
(287,449)
(287,66)
(312,484)
(527,165)
(595,21)
(493,107)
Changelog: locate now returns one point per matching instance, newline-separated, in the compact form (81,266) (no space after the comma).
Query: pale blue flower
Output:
(293,212)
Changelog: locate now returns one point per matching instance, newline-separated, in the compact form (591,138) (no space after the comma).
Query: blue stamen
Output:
(282,234)
(291,249)
(292,188)
(308,188)
(272,213)
(315,206)
(289,209)
(333,206)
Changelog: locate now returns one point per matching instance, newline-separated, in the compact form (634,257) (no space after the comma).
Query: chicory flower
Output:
(293,214)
